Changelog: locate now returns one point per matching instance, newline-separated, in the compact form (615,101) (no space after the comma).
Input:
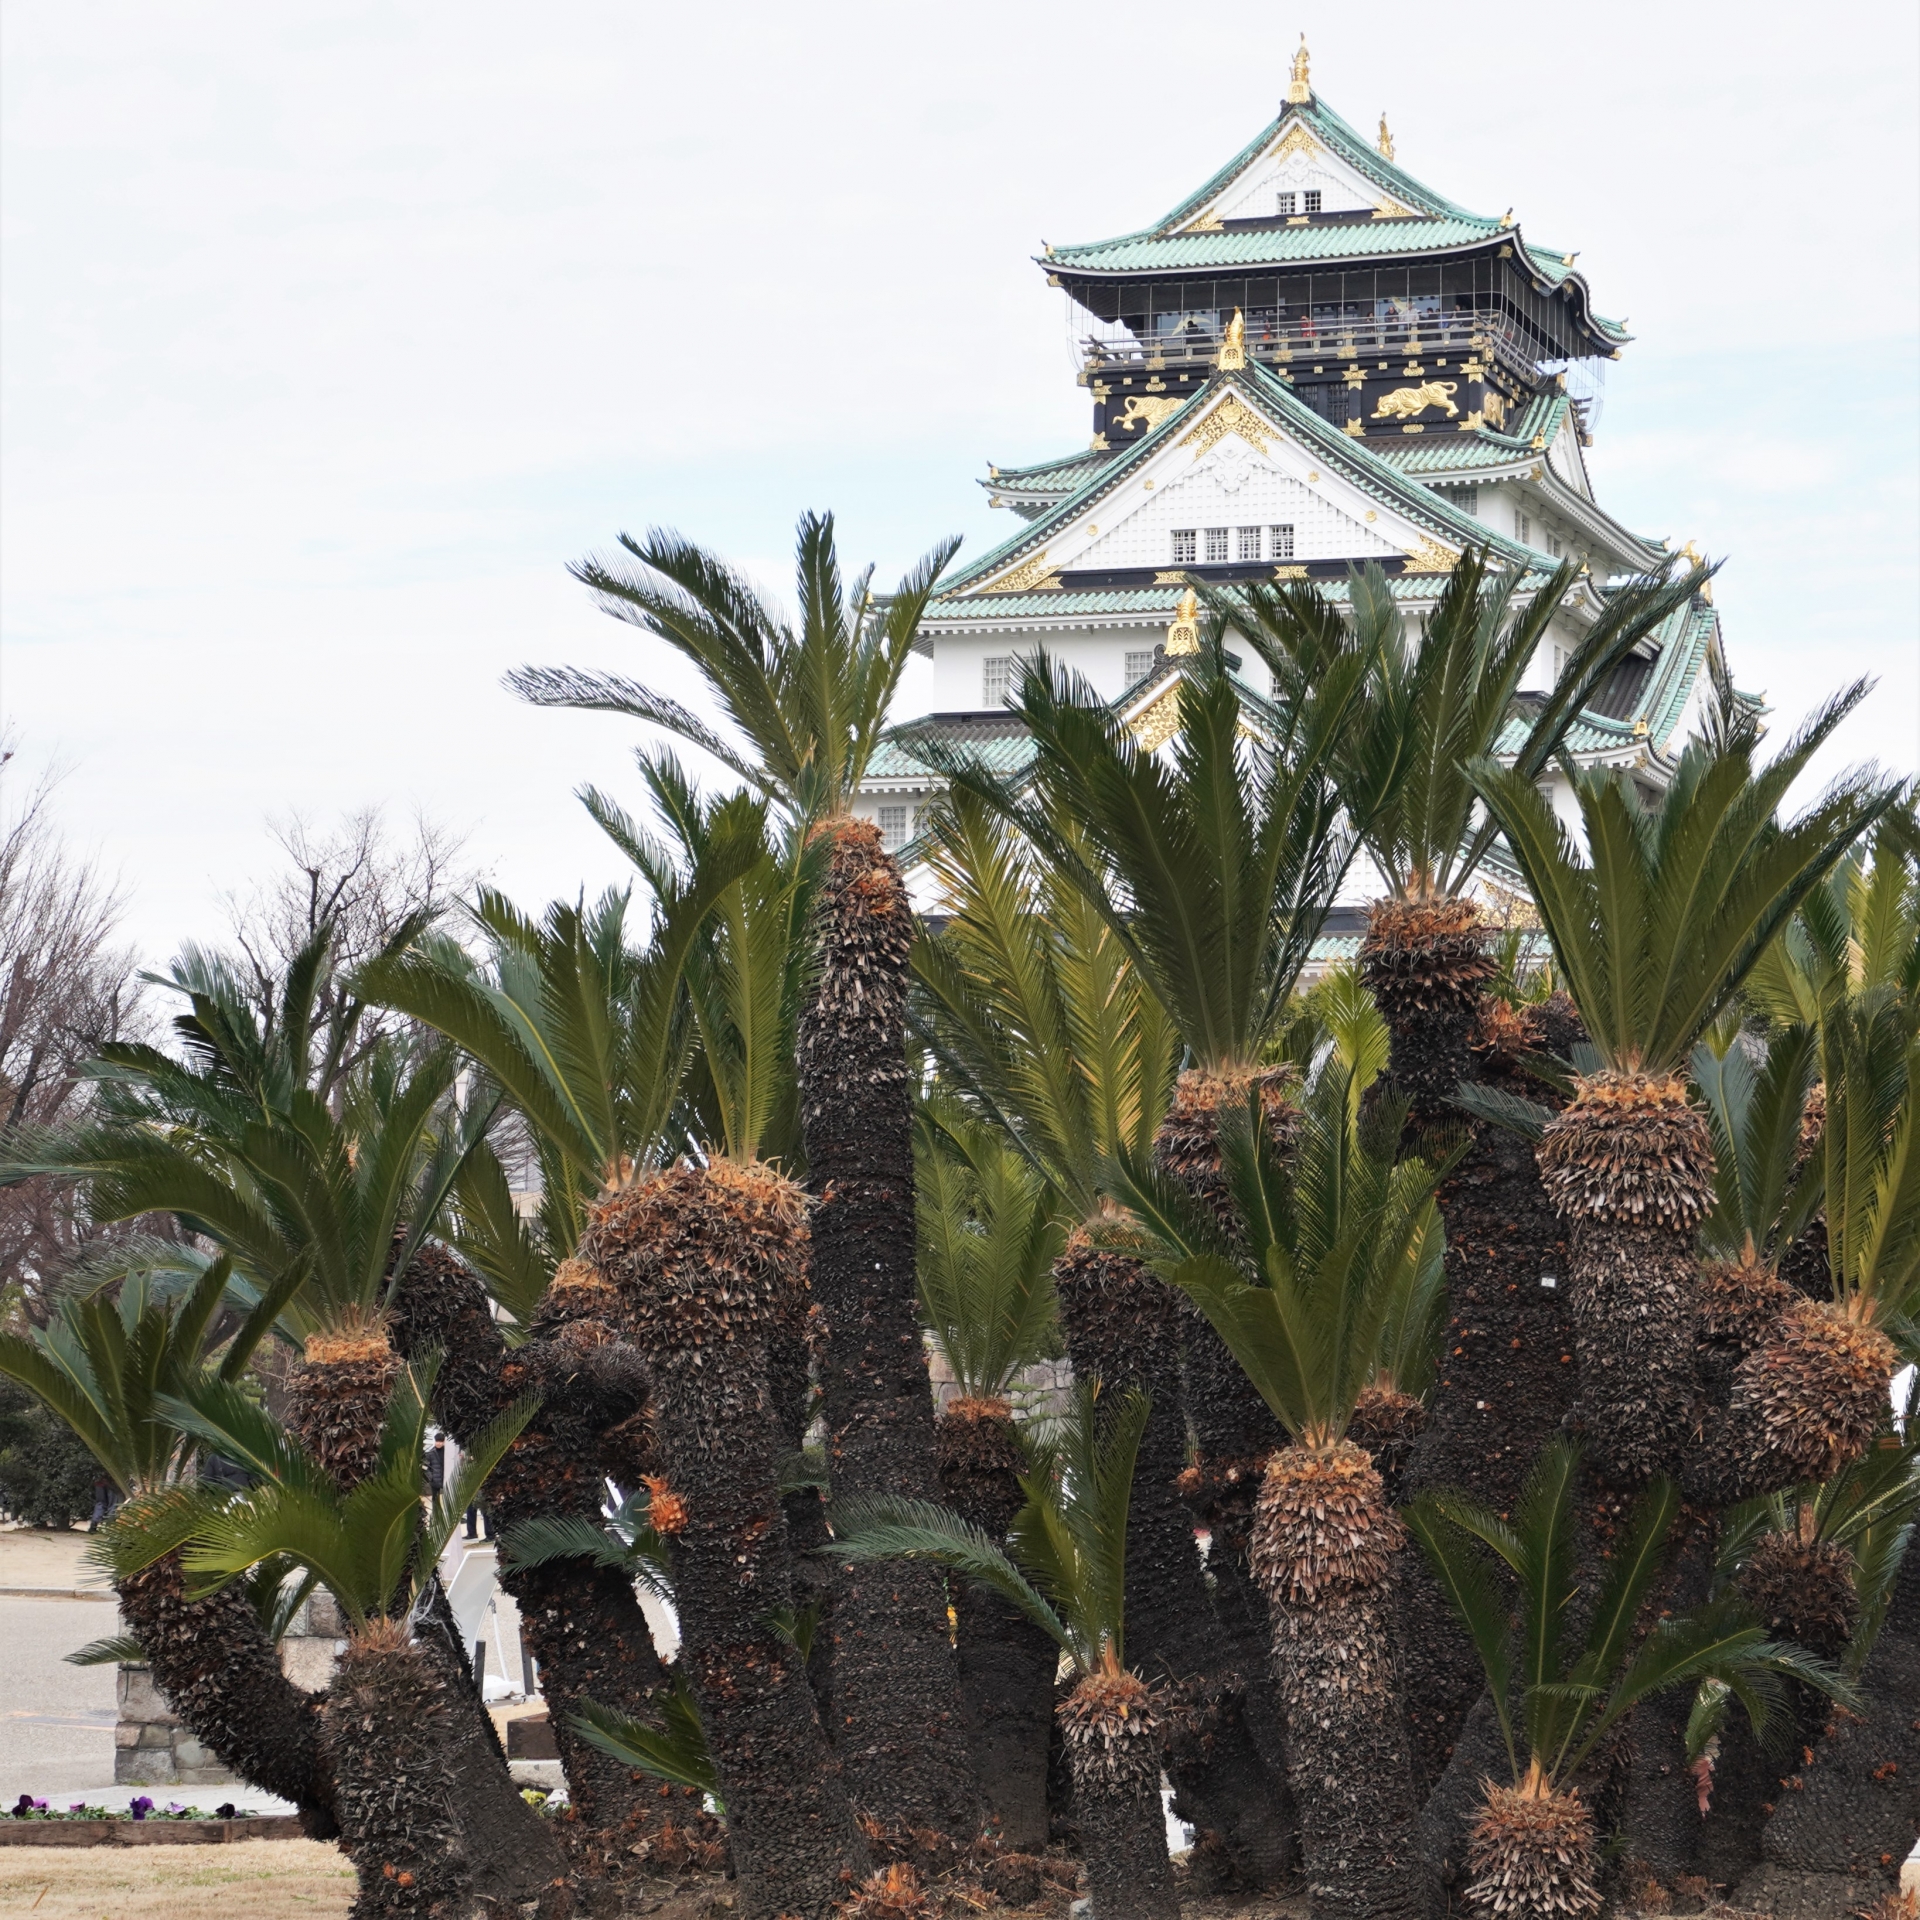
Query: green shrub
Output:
(46,1475)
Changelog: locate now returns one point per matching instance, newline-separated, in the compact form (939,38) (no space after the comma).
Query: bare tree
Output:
(67,985)
(369,886)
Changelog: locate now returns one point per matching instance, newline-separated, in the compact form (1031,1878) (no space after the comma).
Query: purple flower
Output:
(39,1806)
(139,1806)
(79,1806)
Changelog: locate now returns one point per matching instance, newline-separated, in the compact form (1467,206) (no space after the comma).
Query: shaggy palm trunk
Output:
(1323,1545)
(1226,1754)
(427,1816)
(581,1624)
(898,1716)
(1006,1662)
(1112,1731)
(1505,1369)
(218,1670)
(1630,1167)
(1234,1430)
(1532,1855)
(337,1399)
(707,1260)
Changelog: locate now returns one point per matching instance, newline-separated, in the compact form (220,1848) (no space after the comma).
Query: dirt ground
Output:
(250,1880)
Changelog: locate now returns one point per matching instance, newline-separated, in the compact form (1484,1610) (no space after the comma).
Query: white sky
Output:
(331,332)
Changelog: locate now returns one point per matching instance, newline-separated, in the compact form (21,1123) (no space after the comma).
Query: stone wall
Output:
(150,1746)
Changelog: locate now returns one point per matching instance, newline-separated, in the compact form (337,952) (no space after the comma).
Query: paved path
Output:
(56,1721)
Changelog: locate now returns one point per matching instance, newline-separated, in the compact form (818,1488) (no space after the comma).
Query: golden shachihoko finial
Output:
(1386,140)
(1233,345)
(1299,91)
(1184,635)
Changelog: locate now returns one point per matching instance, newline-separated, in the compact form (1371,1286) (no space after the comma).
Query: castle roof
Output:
(1390,216)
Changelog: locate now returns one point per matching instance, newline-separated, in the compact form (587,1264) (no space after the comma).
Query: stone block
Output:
(139,1698)
(127,1734)
(143,1768)
(308,1662)
(324,1616)
(153,1735)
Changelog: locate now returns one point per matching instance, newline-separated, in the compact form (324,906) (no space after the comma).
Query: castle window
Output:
(1216,545)
(1312,198)
(1186,546)
(1284,202)
(1139,665)
(1553,545)
(1246,543)
(996,680)
(1282,543)
(1522,528)
(895,827)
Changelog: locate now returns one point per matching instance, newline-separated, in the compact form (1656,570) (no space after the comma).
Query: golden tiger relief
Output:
(1404,402)
(1147,413)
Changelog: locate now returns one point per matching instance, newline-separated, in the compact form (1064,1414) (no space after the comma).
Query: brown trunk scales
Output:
(899,1722)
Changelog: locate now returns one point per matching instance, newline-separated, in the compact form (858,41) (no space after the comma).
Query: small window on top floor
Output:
(996,680)
(1216,546)
(1284,202)
(896,827)
(1282,542)
(1139,665)
(1312,199)
(1246,543)
(1186,546)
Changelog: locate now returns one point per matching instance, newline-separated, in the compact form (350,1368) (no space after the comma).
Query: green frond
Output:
(117,1650)
(676,1751)
(894,1527)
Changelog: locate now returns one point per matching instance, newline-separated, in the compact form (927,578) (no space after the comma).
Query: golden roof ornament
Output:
(1299,91)
(1233,345)
(1184,635)
(1386,139)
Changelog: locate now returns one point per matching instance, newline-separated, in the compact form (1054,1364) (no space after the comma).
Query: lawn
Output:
(249,1880)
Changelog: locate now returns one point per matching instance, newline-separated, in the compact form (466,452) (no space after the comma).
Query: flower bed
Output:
(39,1823)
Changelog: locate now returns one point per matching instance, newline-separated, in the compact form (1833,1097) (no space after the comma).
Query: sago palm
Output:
(1817,1391)
(1435,702)
(989,1235)
(1654,931)
(1516,1583)
(709,1255)
(808,702)
(103,1365)
(427,1812)
(1063,1565)
(1214,866)
(236,1139)
(1300,1288)
(1038,1018)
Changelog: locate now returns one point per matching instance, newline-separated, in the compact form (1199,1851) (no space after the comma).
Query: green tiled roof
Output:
(1047,476)
(1541,419)
(1269,246)
(998,741)
(1437,225)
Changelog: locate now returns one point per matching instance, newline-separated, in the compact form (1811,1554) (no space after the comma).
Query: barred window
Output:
(1553,545)
(1186,546)
(1284,202)
(1216,545)
(1139,665)
(1283,543)
(1522,528)
(1246,543)
(895,827)
(996,680)
(1312,197)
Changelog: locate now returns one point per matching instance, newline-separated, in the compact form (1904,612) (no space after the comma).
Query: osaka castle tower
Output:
(1312,363)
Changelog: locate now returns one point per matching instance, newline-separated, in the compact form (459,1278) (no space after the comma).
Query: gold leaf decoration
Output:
(1232,415)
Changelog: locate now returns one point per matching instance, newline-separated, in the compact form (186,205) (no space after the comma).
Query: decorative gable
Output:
(1297,163)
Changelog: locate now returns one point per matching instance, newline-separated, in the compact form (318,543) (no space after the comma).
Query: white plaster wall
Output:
(1231,486)
(1099,653)
(1251,197)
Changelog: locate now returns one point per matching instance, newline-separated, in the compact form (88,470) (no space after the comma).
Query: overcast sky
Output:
(331,332)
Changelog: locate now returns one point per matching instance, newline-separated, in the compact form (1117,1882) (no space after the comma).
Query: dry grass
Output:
(249,1880)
